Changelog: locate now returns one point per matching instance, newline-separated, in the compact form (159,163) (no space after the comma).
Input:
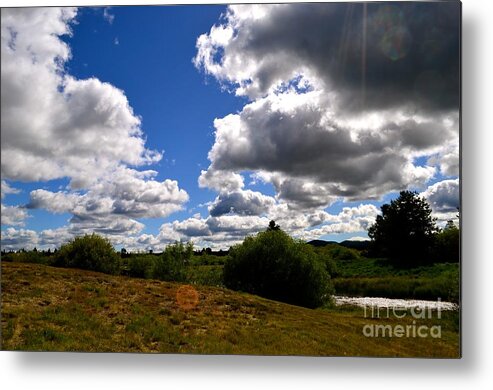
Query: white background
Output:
(475,370)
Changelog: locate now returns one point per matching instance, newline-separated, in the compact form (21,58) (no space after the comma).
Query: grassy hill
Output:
(47,308)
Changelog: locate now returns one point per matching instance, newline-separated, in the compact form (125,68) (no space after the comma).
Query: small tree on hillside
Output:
(405,230)
(274,265)
(90,252)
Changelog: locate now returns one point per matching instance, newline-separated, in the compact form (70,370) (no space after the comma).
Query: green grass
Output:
(205,275)
(378,278)
(55,309)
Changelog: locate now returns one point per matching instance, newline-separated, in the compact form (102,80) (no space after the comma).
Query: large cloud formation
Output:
(344,98)
(344,102)
(56,126)
(64,127)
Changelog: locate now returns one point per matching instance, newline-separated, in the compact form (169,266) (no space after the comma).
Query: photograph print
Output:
(252,179)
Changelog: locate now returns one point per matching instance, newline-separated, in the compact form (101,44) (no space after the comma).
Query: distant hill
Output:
(360,245)
(321,242)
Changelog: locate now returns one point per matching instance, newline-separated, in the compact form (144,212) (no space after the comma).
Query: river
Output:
(396,303)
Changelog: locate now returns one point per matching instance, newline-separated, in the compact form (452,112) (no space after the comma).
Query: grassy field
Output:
(363,276)
(56,309)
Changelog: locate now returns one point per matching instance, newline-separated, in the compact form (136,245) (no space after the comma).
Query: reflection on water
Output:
(388,302)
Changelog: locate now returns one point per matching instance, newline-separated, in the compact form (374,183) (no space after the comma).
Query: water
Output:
(397,303)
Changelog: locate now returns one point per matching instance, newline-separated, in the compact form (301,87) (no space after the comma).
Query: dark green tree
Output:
(91,252)
(273,226)
(275,266)
(447,244)
(405,230)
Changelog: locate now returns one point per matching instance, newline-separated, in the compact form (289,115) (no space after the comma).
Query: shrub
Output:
(90,252)
(139,266)
(339,252)
(170,266)
(447,245)
(275,266)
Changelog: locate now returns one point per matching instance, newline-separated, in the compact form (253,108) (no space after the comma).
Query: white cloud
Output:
(358,238)
(312,159)
(56,126)
(245,202)
(444,200)
(256,49)
(7,189)
(13,215)
(63,126)
(313,127)
(220,180)
(129,193)
(109,17)
(14,239)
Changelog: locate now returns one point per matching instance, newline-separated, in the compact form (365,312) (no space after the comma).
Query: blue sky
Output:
(168,92)
(251,125)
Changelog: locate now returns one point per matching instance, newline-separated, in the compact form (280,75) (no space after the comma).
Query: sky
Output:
(202,123)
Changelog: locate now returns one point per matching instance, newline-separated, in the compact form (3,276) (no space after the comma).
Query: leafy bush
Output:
(447,245)
(139,266)
(205,275)
(207,259)
(29,257)
(169,266)
(275,266)
(339,252)
(90,252)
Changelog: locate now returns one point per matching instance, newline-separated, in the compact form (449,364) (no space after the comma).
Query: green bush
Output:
(447,245)
(339,252)
(29,257)
(275,266)
(90,252)
(169,266)
(139,266)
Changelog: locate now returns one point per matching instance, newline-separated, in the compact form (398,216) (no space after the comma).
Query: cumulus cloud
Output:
(63,126)
(336,110)
(83,130)
(403,54)
(312,159)
(13,215)
(444,199)
(126,195)
(13,239)
(245,202)
(221,180)
(221,232)
(7,189)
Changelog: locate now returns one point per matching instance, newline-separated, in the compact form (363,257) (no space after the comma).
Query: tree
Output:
(405,231)
(273,226)
(170,266)
(447,244)
(90,252)
(274,265)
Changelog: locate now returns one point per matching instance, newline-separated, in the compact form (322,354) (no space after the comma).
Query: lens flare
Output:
(393,36)
(187,297)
